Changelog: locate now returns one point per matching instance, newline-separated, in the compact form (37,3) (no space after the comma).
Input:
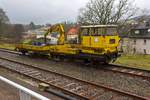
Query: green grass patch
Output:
(135,61)
(7,46)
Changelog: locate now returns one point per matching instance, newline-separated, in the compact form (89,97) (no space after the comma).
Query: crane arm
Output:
(59,29)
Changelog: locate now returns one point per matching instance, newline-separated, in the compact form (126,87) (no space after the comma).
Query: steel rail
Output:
(9,51)
(128,71)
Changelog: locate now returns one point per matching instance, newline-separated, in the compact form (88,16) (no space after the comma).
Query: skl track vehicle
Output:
(98,43)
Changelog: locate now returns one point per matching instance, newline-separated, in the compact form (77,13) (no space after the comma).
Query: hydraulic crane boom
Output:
(56,28)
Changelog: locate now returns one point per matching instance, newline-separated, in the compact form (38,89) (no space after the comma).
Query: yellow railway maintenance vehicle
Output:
(94,43)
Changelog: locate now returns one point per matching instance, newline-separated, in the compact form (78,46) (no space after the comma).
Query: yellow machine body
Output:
(96,42)
(99,39)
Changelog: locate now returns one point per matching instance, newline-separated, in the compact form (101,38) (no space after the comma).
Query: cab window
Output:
(102,31)
(95,31)
(54,34)
(85,32)
(111,31)
(98,31)
(92,31)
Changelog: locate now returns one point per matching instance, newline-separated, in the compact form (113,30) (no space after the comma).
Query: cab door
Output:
(86,38)
(97,40)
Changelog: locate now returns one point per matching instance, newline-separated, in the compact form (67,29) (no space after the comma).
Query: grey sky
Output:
(47,11)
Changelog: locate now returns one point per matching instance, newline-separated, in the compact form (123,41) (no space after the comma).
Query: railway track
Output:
(72,86)
(128,71)
(116,69)
(113,68)
(9,51)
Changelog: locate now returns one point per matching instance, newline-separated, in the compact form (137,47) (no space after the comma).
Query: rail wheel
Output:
(55,57)
(107,60)
(87,61)
(23,52)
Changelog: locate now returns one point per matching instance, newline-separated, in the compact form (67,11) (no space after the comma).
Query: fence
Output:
(24,93)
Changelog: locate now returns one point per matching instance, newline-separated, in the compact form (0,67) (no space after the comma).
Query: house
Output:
(138,39)
(40,32)
(28,35)
(138,42)
(72,34)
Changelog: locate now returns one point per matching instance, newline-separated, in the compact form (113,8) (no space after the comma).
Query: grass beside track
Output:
(135,61)
(7,46)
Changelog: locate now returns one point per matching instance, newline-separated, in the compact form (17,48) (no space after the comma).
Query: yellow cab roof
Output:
(98,26)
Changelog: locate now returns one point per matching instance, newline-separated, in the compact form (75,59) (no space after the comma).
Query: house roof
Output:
(143,33)
(72,31)
(141,30)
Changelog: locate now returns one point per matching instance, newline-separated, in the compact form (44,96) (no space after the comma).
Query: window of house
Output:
(134,41)
(134,50)
(148,30)
(144,41)
(137,32)
(147,24)
(144,51)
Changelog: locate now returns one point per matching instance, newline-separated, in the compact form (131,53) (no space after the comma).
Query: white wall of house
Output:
(141,46)
(42,36)
(72,36)
(135,46)
(125,45)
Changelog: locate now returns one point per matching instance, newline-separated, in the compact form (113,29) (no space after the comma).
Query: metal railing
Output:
(24,93)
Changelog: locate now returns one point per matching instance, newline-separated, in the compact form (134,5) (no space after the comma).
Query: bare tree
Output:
(106,11)
(3,17)
(32,26)
(17,32)
(3,20)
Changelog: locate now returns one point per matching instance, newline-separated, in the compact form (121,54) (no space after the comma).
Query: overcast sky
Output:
(47,11)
